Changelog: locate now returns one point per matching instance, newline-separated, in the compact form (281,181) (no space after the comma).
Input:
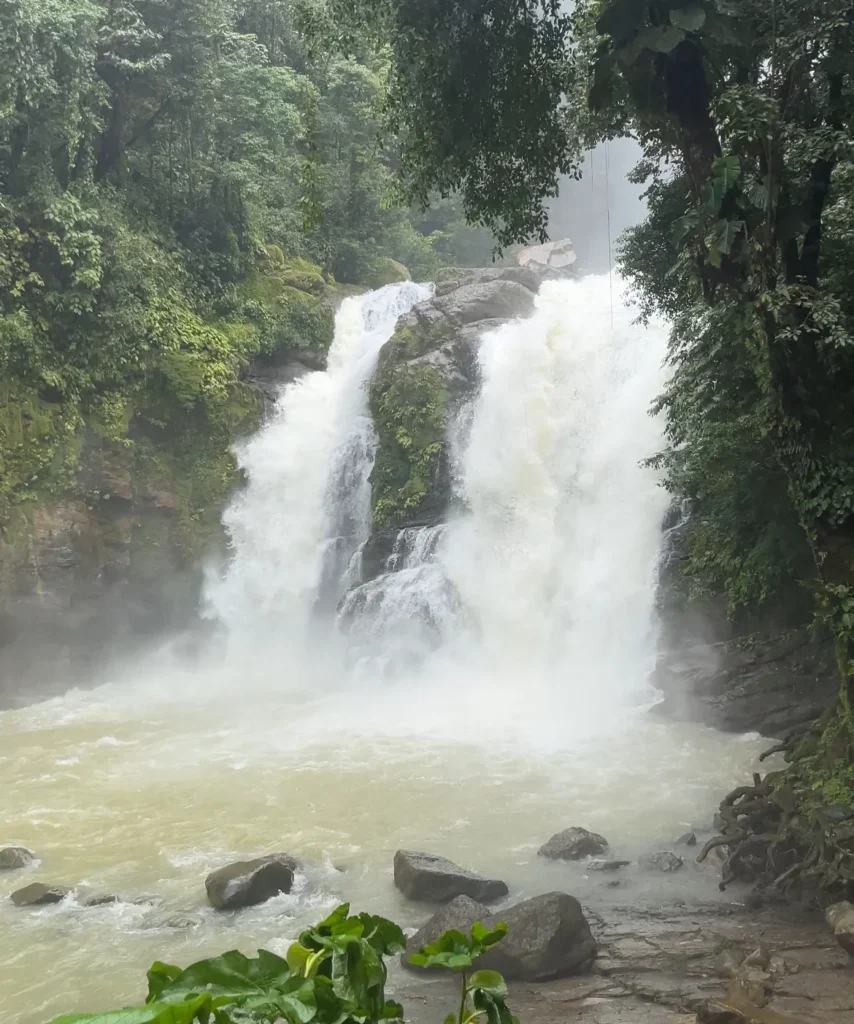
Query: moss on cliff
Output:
(408,404)
(150,466)
(39,447)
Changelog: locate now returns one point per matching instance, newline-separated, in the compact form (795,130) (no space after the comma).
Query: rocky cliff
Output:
(769,671)
(104,553)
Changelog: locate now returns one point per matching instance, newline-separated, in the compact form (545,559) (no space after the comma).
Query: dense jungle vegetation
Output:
(744,110)
(184,186)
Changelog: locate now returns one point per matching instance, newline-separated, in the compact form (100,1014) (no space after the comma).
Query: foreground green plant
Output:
(483,992)
(334,974)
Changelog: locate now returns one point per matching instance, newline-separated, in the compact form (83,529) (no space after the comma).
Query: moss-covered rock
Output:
(409,404)
(291,317)
(386,271)
(427,369)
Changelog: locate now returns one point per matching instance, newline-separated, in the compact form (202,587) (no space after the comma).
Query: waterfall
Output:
(306,508)
(544,584)
(556,557)
(546,570)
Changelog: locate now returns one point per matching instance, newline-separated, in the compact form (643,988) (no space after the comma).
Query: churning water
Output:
(489,689)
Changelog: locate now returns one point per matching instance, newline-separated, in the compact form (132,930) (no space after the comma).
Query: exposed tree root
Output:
(788,833)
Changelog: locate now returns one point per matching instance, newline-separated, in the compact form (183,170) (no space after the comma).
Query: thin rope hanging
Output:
(610,255)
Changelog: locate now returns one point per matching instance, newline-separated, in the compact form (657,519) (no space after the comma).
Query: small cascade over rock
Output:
(306,508)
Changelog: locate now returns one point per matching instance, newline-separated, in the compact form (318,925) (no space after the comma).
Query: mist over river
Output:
(487,688)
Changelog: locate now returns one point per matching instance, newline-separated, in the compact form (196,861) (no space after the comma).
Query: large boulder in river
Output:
(14,857)
(38,894)
(426,876)
(573,844)
(547,937)
(459,915)
(248,882)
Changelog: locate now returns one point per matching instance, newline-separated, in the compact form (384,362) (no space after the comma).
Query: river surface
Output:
(489,689)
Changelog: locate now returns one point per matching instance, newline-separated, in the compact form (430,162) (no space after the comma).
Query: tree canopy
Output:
(181,183)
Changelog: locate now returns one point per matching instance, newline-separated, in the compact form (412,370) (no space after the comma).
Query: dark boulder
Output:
(458,915)
(14,857)
(688,839)
(38,895)
(547,937)
(663,861)
(246,883)
(573,844)
(100,899)
(425,876)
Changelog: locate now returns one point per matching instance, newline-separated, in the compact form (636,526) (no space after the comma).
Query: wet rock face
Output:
(247,883)
(573,844)
(15,857)
(425,876)
(39,894)
(547,937)
(769,684)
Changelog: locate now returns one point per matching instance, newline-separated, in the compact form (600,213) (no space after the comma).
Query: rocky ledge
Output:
(667,966)
(767,683)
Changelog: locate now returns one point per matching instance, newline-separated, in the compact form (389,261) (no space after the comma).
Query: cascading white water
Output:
(548,577)
(308,498)
(556,559)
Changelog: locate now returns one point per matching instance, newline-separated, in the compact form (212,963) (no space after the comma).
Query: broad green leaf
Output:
(489,981)
(757,193)
(689,19)
(298,957)
(486,937)
(661,38)
(450,941)
(151,1013)
(726,171)
(298,1007)
(683,226)
(338,916)
(726,234)
(385,936)
(230,977)
(159,976)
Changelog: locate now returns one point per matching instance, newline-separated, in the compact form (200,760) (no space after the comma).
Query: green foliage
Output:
(475,100)
(483,993)
(458,952)
(156,164)
(334,974)
(408,404)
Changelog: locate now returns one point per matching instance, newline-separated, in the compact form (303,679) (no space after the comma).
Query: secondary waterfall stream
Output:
(487,690)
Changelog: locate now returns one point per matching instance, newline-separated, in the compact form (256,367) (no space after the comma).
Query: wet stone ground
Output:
(662,966)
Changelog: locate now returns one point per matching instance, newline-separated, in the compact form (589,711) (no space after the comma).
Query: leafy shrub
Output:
(334,974)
